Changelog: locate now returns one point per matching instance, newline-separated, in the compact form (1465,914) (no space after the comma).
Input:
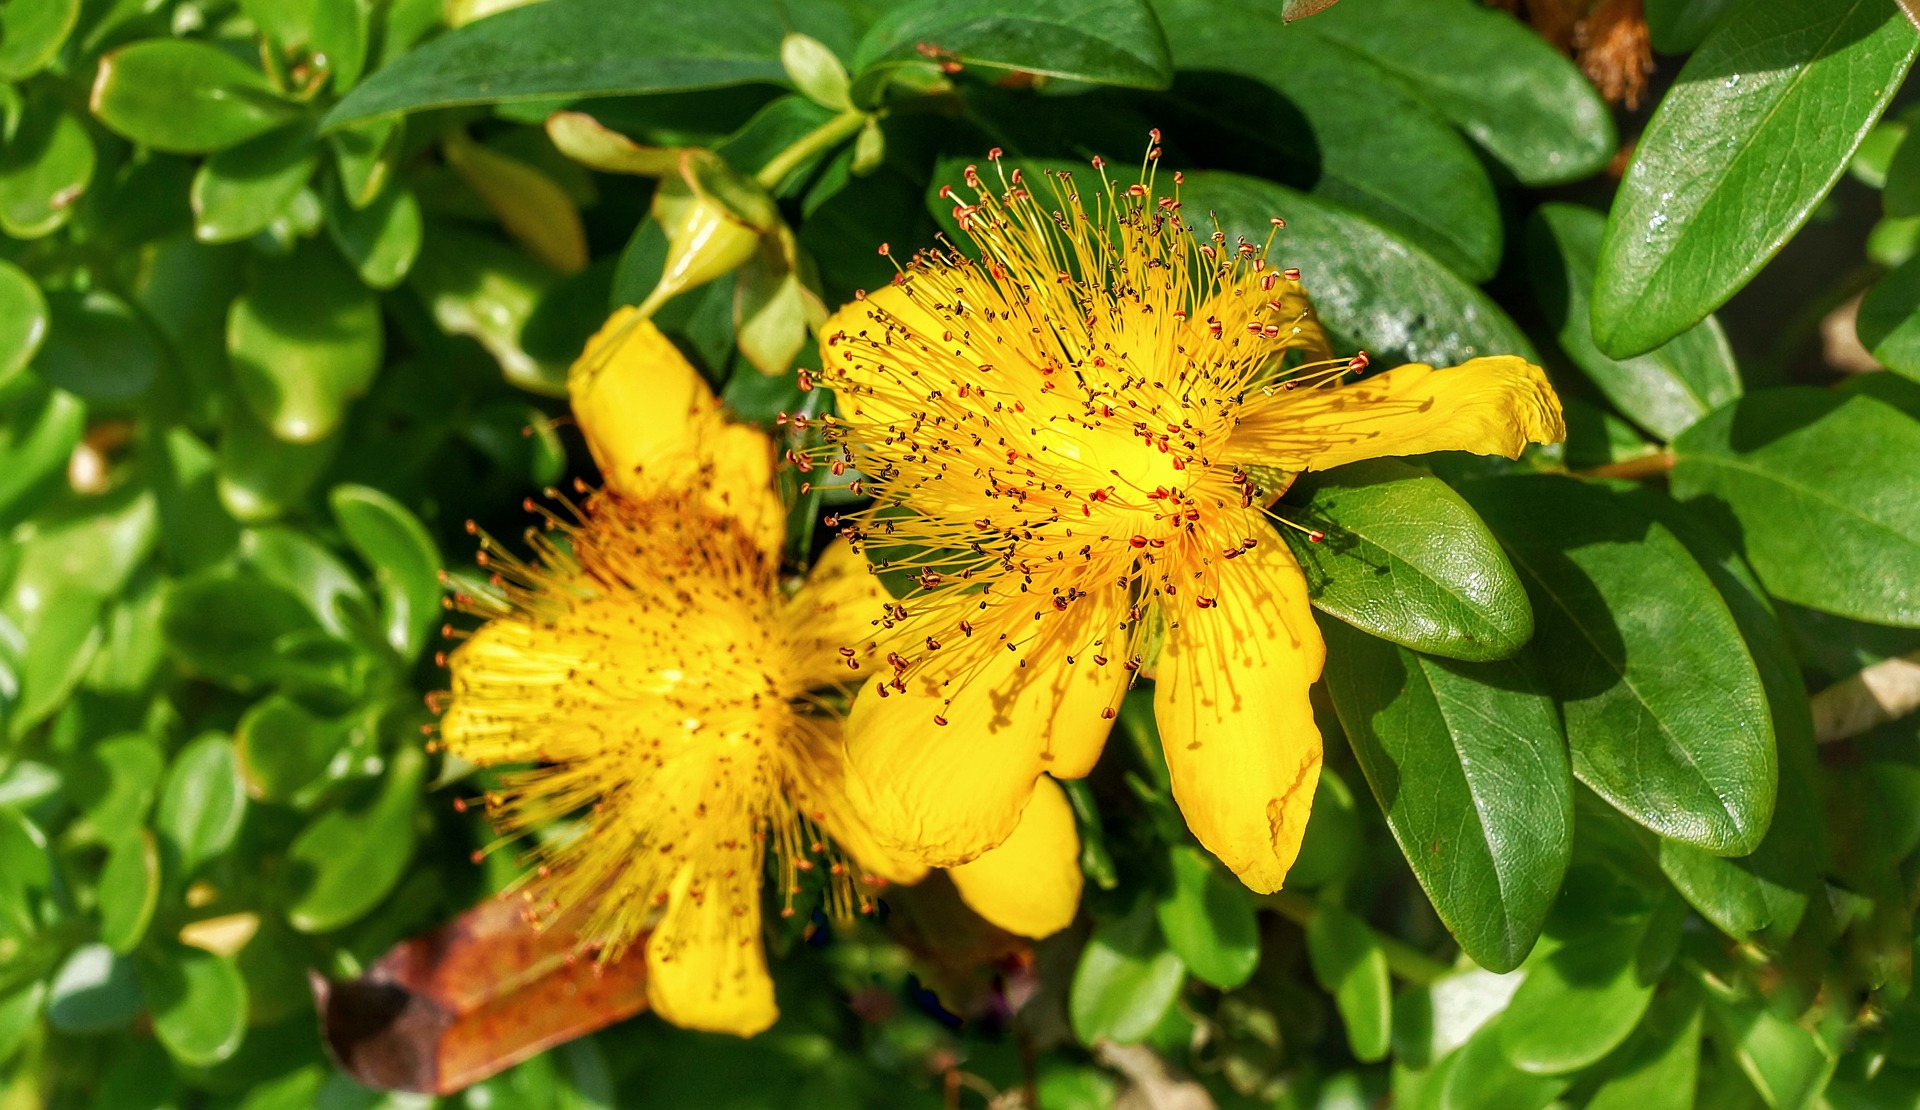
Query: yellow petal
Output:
(1489,406)
(838,607)
(948,791)
(857,348)
(1031,884)
(530,662)
(706,964)
(1231,701)
(820,791)
(653,426)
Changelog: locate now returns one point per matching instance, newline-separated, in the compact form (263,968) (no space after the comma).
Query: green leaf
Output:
(23,323)
(405,562)
(95,991)
(199,1004)
(365,154)
(1366,285)
(1334,839)
(1442,744)
(282,747)
(1126,981)
(261,476)
(129,891)
(1583,999)
(1679,26)
(1482,1078)
(45,166)
(1666,390)
(1664,708)
(1787,1064)
(1823,493)
(1496,80)
(1207,919)
(1405,559)
(1663,1066)
(382,239)
(1733,161)
(98,347)
(114,783)
(576,48)
(202,804)
(1889,321)
(346,861)
(20,1010)
(482,288)
(31,32)
(1900,184)
(1349,963)
(186,97)
(241,190)
(1106,42)
(225,625)
(39,428)
(305,338)
(1357,135)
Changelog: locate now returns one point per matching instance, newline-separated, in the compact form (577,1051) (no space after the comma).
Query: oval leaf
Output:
(1107,42)
(1208,920)
(344,863)
(1127,979)
(1443,746)
(1349,963)
(203,802)
(1405,559)
(405,562)
(1664,708)
(199,1004)
(305,338)
(186,97)
(241,190)
(129,891)
(23,321)
(45,165)
(1732,163)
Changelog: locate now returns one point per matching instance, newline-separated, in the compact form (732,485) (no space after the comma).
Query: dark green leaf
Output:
(1366,285)
(1889,319)
(1349,963)
(405,562)
(1333,842)
(1823,493)
(365,154)
(577,48)
(1469,766)
(282,747)
(98,347)
(305,338)
(225,626)
(186,97)
(242,189)
(1679,26)
(45,165)
(115,782)
(1664,708)
(129,890)
(93,992)
(1108,42)
(203,803)
(1405,559)
(1207,919)
(1665,390)
(1497,81)
(199,1004)
(262,475)
(382,239)
(346,861)
(480,287)
(1757,128)
(1356,135)
(1127,979)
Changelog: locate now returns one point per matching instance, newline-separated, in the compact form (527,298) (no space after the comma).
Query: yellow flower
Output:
(664,707)
(1073,436)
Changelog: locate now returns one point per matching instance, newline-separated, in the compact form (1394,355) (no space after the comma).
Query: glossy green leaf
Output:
(1349,963)
(23,322)
(1759,125)
(1661,1070)
(346,861)
(1443,746)
(98,347)
(1405,559)
(283,747)
(480,287)
(366,153)
(20,1012)
(46,163)
(31,32)
(185,96)
(1786,1063)
(305,339)
(129,891)
(382,239)
(576,48)
(406,563)
(1889,321)
(1126,981)
(1482,1078)
(242,189)
(225,626)
(199,1004)
(1823,493)
(1207,920)
(1357,135)
(261,476)
(1585,998)
(1900,185)
(38,430)
(1367,286)
(1665,390)
(94,991)
(1664,709)
(114,783)
(202,804)
(294,560)
(1520,99)
(1679,26)
(1107,42)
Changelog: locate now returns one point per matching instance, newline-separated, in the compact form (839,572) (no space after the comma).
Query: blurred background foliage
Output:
(288,289)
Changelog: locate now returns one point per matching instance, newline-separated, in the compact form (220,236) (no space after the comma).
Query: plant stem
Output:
(1655,465)
(1403,959)
(813,142)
